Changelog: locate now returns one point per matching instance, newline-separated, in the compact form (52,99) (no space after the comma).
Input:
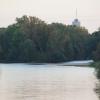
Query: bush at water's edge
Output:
(96,65)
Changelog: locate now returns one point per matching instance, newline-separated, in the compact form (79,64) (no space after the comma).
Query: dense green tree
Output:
(78,40)
(97,53)
(32,40)
(95,41)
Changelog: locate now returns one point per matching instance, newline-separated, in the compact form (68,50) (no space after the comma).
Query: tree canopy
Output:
(32,40)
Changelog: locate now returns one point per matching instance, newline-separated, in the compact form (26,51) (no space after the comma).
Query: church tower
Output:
(76,22)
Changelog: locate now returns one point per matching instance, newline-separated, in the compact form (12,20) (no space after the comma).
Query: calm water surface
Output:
(46,82)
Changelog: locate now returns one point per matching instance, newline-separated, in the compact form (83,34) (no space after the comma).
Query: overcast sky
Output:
(62,11)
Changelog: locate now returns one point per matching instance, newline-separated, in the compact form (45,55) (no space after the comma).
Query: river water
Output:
(46,82)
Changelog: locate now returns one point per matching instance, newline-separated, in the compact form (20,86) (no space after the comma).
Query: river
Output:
(46,82)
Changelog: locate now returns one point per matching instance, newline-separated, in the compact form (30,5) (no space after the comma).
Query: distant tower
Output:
(76,22)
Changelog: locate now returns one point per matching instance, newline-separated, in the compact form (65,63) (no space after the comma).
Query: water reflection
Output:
(39,82)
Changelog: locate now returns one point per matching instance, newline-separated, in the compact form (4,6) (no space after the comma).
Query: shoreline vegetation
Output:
(31,40)
(96,65)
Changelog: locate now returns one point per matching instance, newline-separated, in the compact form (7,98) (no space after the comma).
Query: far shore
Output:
(81,63)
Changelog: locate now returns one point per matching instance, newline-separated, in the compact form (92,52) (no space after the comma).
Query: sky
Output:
(62,11)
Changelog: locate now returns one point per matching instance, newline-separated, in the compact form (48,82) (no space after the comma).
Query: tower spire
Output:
(76,13)
(76,22)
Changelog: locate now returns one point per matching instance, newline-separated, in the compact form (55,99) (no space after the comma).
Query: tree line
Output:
(32,40)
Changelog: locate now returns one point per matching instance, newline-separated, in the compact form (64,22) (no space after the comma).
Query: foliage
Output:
(97,67)
(32,40)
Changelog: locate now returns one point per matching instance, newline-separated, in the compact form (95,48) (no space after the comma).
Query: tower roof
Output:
(76,22)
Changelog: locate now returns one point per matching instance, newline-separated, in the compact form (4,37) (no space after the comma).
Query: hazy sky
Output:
(52,11)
